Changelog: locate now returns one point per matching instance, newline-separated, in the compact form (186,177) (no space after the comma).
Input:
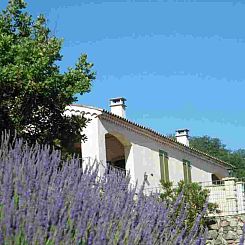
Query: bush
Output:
(195,198)
(42,203)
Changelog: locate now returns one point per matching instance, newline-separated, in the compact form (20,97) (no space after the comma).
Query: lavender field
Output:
(44,203)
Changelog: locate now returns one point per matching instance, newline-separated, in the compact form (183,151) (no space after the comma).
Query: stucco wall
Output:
(144,157)
(141,151)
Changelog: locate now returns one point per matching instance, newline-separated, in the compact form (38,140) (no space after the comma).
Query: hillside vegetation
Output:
(214,147)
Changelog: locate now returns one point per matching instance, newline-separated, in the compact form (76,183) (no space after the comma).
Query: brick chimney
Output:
(118,106)
(182,136)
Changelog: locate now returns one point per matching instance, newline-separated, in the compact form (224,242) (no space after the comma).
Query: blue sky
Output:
(180,64)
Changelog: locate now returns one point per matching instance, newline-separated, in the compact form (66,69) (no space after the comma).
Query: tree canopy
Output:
(214,147)
(34,92)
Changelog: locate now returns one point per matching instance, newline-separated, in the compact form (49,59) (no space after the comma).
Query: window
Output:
(164,166)
(187,171)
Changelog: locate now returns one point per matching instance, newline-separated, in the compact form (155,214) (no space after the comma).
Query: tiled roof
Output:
(165,138)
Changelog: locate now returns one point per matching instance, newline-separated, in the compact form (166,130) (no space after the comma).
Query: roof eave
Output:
(172,141)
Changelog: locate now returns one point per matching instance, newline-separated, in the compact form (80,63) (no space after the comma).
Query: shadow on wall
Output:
(117,150)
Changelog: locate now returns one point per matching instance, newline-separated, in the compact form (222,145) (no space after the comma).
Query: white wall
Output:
(94,147)
(142,153)
(144,158)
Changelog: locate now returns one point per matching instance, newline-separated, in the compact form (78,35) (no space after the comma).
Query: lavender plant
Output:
(242,239)
(43,203)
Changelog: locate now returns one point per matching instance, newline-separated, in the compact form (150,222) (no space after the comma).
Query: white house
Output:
(147,154)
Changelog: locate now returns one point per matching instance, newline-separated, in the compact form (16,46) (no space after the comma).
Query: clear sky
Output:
(179,64)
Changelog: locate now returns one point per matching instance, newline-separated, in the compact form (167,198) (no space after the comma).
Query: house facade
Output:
(145,153)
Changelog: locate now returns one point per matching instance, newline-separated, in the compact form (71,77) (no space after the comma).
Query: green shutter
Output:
(164,166)
(187,171)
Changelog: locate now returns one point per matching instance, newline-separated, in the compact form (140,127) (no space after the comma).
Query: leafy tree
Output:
(240,152)
(238,161)
(214,147)
(34,93)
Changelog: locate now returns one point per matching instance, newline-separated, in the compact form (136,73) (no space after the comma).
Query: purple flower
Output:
(243,235)
(47,199)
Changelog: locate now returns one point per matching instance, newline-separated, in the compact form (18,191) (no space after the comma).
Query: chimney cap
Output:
(182,130)
(117,99)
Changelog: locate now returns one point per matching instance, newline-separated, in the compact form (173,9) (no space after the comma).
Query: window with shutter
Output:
(164,166)
(187,171)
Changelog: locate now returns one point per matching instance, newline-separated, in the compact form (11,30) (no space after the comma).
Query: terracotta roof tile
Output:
(165,138)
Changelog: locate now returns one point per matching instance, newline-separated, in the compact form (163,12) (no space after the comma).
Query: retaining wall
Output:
(226,230)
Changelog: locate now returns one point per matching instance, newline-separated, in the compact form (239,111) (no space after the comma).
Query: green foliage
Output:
(214,147)
(193,195)
(240,152)
(34,93)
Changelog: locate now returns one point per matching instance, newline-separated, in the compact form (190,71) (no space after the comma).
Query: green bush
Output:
(195,198)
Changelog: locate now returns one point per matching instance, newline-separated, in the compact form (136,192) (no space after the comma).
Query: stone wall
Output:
(226,230)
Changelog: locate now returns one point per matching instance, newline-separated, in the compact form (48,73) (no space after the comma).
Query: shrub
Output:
(43,203)
(194,196)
